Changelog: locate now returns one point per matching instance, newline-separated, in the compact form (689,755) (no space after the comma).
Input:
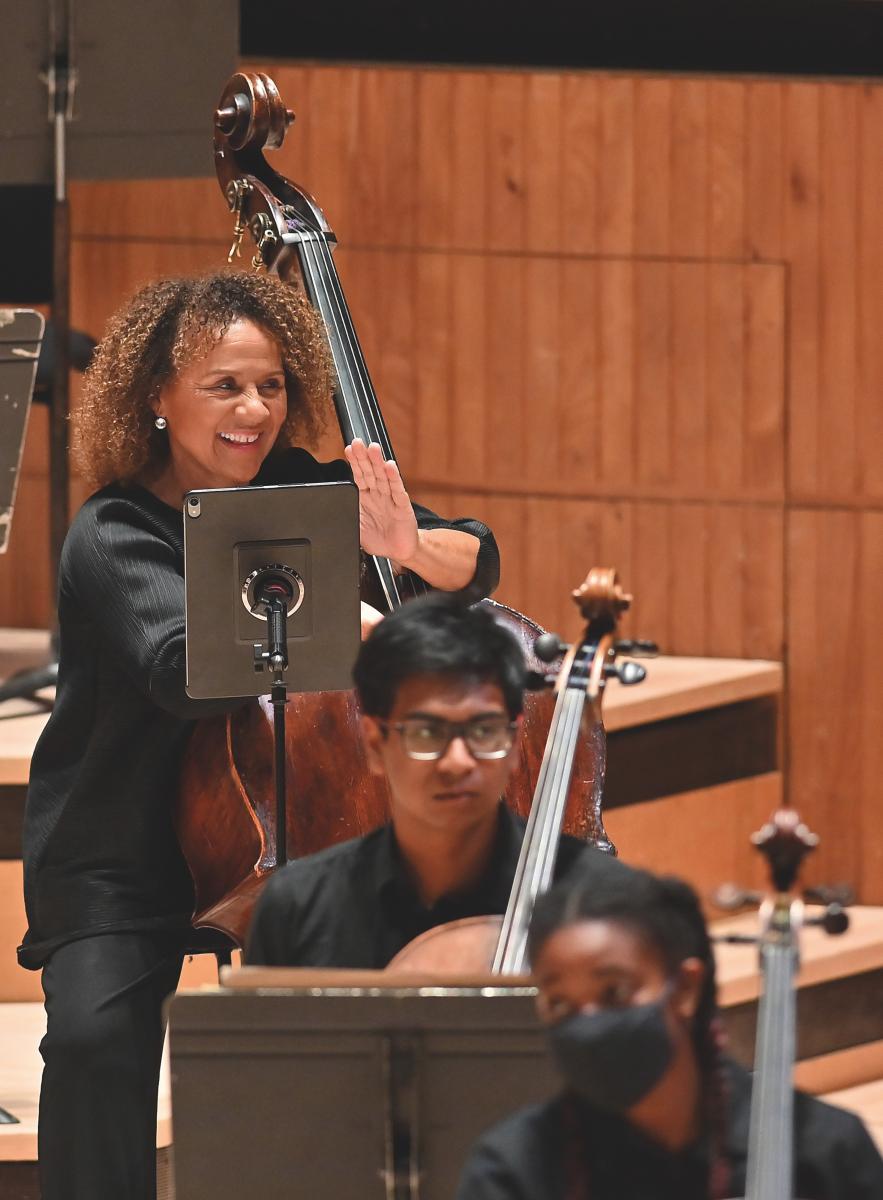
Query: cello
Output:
(225,811)
(499,944)
(784,841)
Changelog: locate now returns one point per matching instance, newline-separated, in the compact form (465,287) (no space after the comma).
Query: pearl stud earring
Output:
(160,422)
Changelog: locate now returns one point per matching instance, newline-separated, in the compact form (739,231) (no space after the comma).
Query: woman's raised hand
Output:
(387,525)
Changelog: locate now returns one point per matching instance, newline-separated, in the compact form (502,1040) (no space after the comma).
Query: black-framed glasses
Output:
(427,738)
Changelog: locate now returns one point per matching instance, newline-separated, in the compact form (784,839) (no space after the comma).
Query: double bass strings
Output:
(326,286)
(357,395)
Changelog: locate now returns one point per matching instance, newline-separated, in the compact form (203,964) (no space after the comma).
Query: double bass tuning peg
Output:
(548,647)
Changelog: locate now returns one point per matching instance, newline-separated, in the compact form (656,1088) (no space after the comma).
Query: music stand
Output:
(272,598)
(21,333)
(345,1084)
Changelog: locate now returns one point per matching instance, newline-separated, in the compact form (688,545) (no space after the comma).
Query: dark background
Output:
(801,37)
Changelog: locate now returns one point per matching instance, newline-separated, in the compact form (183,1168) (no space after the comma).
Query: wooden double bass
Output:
(225,814)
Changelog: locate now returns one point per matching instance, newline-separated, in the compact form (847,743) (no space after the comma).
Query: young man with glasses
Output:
(441,689)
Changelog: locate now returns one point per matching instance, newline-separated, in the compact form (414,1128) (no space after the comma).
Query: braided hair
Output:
(664,912)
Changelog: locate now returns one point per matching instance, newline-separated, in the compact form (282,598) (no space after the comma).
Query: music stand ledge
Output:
(345,1084)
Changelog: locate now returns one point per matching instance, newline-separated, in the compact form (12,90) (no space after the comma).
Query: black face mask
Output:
(612,1058)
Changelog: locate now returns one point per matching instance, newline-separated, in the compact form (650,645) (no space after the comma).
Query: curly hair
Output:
(169,324)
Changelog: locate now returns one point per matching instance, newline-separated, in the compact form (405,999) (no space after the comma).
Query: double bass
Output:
(225,812)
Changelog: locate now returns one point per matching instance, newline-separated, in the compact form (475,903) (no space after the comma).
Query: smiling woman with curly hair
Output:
(198,383)
(168,325)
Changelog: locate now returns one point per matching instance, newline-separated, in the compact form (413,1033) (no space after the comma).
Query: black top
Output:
(533,1155)
(353,904)
(99,848)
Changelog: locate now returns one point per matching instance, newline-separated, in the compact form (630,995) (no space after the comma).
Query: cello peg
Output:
(834,920)
(628,673)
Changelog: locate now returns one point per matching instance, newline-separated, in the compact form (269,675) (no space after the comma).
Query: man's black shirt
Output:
(531,1155)
(353,905)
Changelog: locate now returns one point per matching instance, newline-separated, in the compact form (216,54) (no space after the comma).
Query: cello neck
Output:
(581,681)
(784,841)
(539,850)
(770,1170)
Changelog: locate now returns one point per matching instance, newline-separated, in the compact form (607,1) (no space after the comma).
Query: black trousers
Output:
(102,1054)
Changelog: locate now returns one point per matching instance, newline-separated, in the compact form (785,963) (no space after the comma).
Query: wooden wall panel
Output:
(626,319)
(836,690)
(699,834)
(599,377)
(707,579)
(869,294)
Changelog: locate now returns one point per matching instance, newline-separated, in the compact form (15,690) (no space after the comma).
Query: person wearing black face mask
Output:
(651,1110)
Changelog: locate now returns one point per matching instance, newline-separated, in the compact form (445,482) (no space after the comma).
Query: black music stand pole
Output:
(277,659)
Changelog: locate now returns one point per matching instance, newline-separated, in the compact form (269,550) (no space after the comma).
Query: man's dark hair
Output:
(437,635)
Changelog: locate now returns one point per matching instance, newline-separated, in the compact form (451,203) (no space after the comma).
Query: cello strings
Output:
(544,852)
(554,786)
(551,834)
(576,694)
(523,867)
(543,831)
(770,1139)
